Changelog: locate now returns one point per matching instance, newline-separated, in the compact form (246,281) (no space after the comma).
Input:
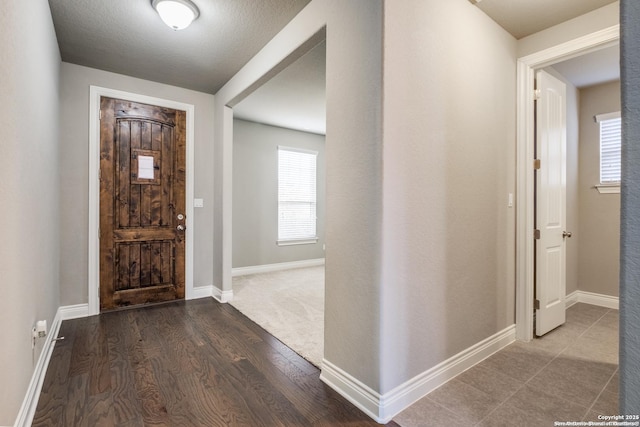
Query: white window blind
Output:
(610,147)
(296,195)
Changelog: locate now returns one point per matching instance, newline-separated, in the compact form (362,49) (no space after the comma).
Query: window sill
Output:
(311,241)
(608,188)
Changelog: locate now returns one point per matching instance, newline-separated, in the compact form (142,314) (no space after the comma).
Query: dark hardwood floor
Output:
(193,363)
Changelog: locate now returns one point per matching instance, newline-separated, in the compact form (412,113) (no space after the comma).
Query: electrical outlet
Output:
(38,331)
(41,327)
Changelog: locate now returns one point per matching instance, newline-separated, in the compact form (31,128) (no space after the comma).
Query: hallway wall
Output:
(449,166)
(74,136)
(29,191)
(599,264)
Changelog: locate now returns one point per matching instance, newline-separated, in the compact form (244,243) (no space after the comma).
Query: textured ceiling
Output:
(525,17)
(295,98)
(128,37)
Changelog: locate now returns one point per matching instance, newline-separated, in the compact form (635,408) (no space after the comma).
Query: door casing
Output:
(95,93)
(525,155)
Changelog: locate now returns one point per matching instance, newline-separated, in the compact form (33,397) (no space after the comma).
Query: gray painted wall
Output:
(599,231)
(352,339)
(630,206)
(29,191)
(74,133)
(255,194)
(449,165)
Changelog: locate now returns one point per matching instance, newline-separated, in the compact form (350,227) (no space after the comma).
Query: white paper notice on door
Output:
(145,167)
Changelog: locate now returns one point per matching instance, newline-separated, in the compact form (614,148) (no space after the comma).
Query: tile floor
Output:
(570,374)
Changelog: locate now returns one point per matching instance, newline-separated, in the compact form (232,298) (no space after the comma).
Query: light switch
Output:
(198,203)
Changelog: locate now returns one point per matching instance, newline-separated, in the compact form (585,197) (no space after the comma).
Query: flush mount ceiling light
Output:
(177,14)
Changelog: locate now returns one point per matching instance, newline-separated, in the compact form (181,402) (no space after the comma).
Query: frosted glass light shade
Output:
(177,14)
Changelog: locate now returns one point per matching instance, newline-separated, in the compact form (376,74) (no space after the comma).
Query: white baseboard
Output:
(382,408)
(571,299)
(220,295)
(359,394)
(593,299)
(30,402)
(201,292)
(267,268)
(212,292)
(77,311)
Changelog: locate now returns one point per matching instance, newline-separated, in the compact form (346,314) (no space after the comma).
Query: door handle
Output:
(566,234)
(181,227)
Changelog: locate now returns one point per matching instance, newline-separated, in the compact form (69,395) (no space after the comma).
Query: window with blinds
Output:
(296,196)
(610,148)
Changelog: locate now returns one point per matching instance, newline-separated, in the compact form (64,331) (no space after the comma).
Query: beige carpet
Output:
(288,304)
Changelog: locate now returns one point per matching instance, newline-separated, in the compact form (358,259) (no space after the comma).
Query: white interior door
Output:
(551,141)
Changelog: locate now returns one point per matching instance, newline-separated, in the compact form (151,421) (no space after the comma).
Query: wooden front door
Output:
(142,203)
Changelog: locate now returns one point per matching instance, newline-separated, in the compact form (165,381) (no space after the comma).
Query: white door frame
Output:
(526,67)
(95,92)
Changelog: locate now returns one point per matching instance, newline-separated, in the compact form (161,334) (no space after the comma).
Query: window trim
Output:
(608,188)
(292,242)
